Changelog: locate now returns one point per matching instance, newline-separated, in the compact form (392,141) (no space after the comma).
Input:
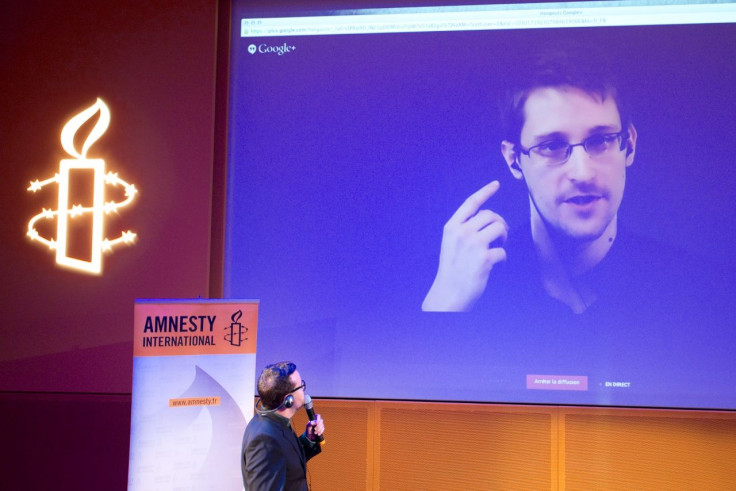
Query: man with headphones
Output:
(569,139)
(273,456)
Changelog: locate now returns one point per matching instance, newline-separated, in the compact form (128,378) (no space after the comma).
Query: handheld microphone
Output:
(309,407)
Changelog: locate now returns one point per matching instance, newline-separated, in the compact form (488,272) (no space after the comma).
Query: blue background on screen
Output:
(347,156)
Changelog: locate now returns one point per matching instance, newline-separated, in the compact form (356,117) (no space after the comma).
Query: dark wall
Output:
(65,441)
(66,349)
(153,63)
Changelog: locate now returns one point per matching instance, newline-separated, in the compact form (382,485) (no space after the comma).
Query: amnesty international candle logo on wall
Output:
(193,372)
(81,213)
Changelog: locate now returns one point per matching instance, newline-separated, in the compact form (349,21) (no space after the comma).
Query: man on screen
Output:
(273,457)
(569,138)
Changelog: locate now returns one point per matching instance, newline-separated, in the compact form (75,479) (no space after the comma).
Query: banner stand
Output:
(193,372)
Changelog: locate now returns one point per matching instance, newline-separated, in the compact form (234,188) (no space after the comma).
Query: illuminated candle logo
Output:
(93,212)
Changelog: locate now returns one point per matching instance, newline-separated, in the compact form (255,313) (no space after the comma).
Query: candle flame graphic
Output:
(72,126)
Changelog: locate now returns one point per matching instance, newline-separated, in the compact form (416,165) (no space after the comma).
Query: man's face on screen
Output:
(579,198)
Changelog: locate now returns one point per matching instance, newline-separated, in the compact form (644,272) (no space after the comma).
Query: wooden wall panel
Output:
(461,446)
(380,445)
(649,450)
(345,461)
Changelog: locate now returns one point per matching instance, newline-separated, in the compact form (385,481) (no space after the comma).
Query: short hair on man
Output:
(562,64)
(274,383)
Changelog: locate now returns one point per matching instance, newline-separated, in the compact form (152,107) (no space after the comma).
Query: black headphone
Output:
(626,143)
(516,164)
(286,403)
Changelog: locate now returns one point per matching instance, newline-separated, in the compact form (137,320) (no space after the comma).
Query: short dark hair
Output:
(559,65)
(274,383)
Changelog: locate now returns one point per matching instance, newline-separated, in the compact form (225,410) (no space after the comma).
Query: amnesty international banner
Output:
(193,372)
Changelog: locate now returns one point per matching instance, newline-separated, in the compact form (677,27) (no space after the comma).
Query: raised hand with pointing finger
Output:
(472,244)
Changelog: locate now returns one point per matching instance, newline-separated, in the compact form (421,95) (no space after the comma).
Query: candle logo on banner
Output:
(236,336)
(78,218)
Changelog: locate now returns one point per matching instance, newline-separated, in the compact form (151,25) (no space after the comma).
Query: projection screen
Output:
(355,136)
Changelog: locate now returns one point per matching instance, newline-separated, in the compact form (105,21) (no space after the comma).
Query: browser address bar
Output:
(495,19)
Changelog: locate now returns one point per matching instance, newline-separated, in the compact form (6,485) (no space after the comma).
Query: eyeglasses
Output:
(557,152)
(303,386)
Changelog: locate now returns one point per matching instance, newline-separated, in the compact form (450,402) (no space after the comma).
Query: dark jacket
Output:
(273,457)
